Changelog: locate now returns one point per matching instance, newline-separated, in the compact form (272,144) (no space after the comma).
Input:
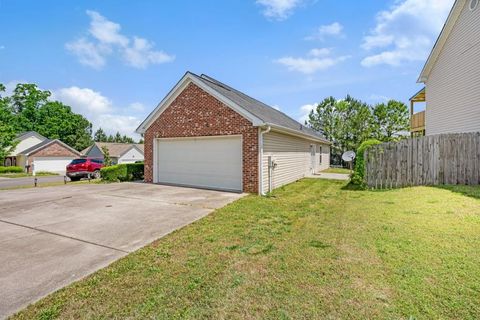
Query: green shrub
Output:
(122,172)
(358,177)
(11,170)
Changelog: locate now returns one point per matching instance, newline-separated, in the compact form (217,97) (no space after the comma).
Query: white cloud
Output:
(105,38)
(406,32)
(279,9)
(276,107)
(137,106)
(331,30)
(140,54)
(84,100)
(2,47)
(310,65)
(89,53)
(320,52)
(305,112)
(106,31)
(100,110)
(377,98)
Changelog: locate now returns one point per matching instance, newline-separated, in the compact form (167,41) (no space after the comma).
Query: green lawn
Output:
(312,250)
(337,170)
(23,174)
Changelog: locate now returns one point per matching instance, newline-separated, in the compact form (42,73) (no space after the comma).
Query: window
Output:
(473,4)
(78,161)
(320,154)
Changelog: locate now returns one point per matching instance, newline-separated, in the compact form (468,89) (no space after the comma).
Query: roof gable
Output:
(117,150)
(45,144)
(253,110)
(28,134)
(442,39)
(179,87)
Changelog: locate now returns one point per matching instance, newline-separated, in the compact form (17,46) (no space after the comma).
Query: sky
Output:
(114,60)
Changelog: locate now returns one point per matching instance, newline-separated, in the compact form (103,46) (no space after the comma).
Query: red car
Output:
(82,167)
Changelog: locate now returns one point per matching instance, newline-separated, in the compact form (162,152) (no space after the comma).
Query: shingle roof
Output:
(259,109)
(37,146)
(45,143)
(29,133)
(117,149)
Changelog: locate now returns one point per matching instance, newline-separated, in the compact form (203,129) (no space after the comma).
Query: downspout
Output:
(260,145)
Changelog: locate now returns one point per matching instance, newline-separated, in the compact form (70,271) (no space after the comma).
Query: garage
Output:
(205,162)
(51,164)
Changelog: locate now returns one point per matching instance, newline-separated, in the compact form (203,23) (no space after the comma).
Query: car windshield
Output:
(77,161)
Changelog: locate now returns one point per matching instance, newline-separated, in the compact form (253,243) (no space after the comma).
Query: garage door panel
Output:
(203,162)
(51,164)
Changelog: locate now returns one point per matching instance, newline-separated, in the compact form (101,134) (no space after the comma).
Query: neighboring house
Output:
(452,76)
(36,153)
(119,152)
(207,134)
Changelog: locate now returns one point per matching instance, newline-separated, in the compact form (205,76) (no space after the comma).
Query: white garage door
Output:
(51,164)
(208,162)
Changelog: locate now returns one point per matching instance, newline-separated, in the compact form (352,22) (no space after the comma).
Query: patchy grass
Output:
(314,249)
(23,174)
(52,184)
(337,170)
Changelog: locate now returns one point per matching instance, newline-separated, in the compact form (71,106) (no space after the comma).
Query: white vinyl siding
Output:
(205,162)
(131,156)
(26,143)
(293,158)
(453,87)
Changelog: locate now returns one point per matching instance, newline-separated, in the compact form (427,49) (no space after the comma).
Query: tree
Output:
(7,131)
(141,141)
(118,138)
(126,139)
(30,109)
(390,120)
(347,122)
(107,161)
(57,121)
(26,101)
(100,136)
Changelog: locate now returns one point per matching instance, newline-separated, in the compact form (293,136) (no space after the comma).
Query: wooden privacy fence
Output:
(429,160)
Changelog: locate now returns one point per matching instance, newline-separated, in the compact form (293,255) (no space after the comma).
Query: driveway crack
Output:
(64,236)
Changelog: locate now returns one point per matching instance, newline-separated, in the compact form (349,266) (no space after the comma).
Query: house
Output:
(36,153)
(118,152)
(452,76)
(206,134)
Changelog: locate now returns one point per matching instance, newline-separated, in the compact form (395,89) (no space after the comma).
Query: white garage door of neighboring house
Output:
(51,164)
(209,162)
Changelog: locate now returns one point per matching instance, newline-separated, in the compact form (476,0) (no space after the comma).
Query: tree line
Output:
(29,108)
(348,122)
(101,136)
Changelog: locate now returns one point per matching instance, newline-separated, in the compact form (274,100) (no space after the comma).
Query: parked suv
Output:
(82,167)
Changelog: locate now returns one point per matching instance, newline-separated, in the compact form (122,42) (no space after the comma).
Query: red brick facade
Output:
(196,113)
(52,150)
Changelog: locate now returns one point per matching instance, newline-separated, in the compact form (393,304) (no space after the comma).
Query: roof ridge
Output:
(213,80)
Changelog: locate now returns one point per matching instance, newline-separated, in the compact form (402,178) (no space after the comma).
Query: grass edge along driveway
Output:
(313,250)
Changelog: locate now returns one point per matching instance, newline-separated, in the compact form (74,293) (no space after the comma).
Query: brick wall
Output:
(53,150)
(196,113)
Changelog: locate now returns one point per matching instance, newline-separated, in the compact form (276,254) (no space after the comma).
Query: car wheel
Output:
(96,174)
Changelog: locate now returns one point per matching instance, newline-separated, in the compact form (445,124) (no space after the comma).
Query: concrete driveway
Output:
(50,237)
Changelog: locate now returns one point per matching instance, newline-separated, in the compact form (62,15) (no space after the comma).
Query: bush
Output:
(11,170)
(358,177)
(122,172)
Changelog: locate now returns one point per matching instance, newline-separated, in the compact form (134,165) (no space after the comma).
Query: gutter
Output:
(260,160)
(298,133)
